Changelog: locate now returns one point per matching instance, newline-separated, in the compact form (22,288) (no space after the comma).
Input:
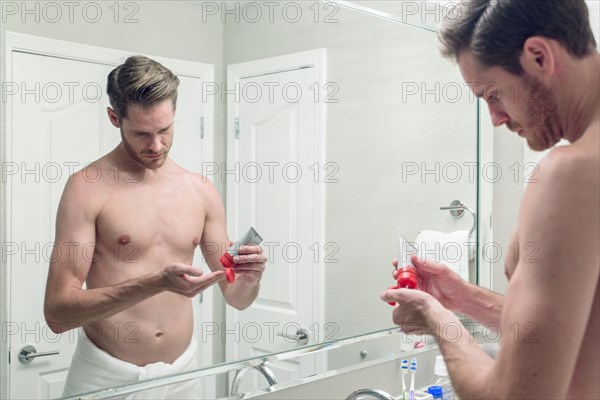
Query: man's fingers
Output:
(194,272)
(427,265)
(181,269)
(401,294)
(186,274)
(203,283)
(250,268)
(250,249)
(389,295)
(250,258)
(213,276)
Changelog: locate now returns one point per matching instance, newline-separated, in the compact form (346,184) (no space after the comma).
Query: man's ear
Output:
(112,116)
(538,58)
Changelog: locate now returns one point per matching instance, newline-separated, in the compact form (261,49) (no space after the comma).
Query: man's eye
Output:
(492,97)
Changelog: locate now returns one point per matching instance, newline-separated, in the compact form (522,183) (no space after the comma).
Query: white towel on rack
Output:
(451,249)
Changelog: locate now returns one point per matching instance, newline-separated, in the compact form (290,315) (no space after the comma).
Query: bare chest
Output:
(511,259)
(142,218)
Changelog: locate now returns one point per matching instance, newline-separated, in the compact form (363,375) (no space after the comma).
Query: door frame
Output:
(20,42)
(235,73)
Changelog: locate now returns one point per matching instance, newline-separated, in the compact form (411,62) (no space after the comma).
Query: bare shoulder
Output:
(570,167)
(85,189)
(568,176)
(204,187)
(560,208)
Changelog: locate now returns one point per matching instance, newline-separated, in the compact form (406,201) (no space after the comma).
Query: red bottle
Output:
(250,237)
(407,275)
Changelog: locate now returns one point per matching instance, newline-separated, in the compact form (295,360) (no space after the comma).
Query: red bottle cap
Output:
(407,278)
(227,263)
(229,275)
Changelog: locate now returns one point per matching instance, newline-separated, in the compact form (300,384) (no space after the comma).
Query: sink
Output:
(383,373)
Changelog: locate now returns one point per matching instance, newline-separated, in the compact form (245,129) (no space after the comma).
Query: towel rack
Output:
(457,210)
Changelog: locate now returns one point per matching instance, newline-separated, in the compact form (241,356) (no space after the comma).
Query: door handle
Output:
(29,352)
(301,335)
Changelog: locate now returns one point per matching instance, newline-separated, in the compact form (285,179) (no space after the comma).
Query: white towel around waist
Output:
(94,369)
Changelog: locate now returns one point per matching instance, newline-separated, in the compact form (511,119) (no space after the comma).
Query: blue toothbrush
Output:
(413,369)
(404,373)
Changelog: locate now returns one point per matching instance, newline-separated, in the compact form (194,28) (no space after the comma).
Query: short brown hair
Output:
(140,80)
(495,30)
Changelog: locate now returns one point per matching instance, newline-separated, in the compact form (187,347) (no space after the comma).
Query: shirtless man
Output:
(146,216)
(550,316)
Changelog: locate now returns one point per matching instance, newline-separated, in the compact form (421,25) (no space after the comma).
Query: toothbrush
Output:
(413,369)
(404,373)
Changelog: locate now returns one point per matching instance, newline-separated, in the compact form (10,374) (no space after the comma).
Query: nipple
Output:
(123,240)
(196,241)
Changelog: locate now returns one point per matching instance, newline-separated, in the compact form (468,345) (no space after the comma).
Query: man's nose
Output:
(155,144)
(498,115)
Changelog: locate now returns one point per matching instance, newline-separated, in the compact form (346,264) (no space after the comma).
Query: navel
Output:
(158,334)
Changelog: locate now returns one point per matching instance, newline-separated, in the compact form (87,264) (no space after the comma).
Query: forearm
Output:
(470,368)
(76,307)
(241,294)
(481,305)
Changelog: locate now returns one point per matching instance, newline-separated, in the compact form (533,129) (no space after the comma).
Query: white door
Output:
(59,125)
(274,157)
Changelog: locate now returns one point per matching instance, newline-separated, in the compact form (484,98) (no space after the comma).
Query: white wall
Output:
(166,28)
(594,10)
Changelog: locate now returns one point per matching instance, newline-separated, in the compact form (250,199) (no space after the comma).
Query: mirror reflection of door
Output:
(275,139)
(58,126)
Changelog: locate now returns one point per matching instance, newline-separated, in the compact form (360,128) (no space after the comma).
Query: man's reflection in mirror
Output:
(145,215)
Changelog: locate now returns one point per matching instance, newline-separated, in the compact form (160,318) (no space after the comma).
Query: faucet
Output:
(376,393)
(237,379)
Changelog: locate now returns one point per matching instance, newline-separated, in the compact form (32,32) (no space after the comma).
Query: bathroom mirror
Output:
(400,133)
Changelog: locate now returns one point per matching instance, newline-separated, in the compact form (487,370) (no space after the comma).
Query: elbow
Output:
(242,307)
(54,322)
(240,301)
(239,305)
(56,327)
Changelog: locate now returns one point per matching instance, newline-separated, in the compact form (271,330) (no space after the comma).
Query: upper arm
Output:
(74,239)
(551,292)
(214,240)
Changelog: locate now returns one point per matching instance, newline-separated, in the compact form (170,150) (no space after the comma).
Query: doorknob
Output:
(300,336)
(28,353)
